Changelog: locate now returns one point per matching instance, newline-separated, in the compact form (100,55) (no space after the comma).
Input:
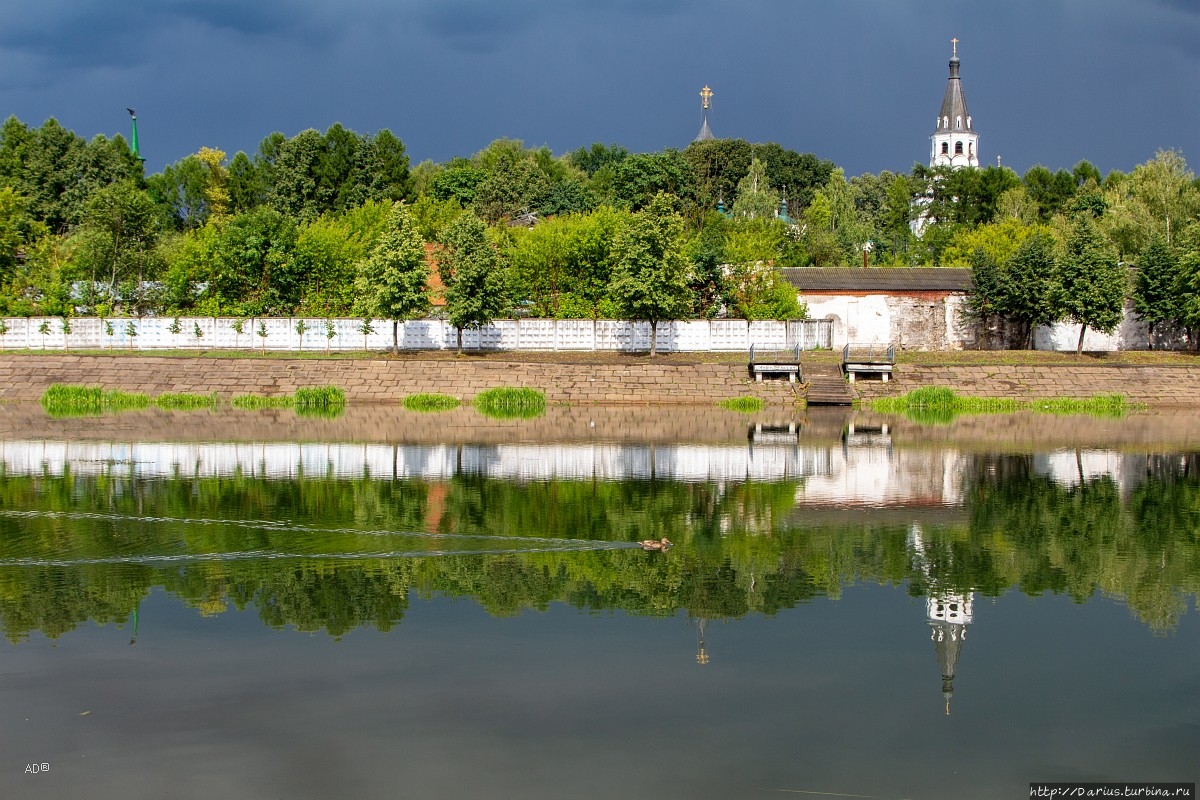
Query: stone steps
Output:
(826,386)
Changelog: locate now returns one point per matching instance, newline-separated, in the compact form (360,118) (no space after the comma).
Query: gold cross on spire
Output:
(707,94)
(955,43)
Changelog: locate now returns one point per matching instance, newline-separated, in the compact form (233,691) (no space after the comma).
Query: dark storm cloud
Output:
(856,81)
(483,26)
(1186,6)
(477,27)
(96,33)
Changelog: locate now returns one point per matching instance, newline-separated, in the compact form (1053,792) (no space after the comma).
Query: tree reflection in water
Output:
(335,554)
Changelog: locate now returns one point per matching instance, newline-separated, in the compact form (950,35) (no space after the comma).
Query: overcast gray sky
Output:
(855,81)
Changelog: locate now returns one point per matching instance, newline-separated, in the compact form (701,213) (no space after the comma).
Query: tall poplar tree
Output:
(393,282)
(755,199)
(1091,280)
(652,274)
(475,279)
(1026,285)
(1155,292)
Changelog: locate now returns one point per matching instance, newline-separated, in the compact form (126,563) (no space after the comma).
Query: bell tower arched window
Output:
(958,151)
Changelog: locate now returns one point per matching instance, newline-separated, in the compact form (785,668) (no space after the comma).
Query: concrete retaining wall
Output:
(25,377)
(1157,385)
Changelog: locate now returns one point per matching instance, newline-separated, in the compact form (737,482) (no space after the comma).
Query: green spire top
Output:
(133,141)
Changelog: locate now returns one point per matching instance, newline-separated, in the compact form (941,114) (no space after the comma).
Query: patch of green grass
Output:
(186,402)
(319,397)
(428,402)
(746,404)
(319,401)
(1100,405)
(508,402)
(71,401)
(314,401)
(939,405)
(321,412)
(253,402)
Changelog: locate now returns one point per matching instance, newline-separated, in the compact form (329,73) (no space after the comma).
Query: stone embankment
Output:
(25,377)
(1158,385)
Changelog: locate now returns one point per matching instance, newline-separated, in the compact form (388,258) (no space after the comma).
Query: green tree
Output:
(293,185)
(1092,283)
(895,217)
(651,273)
(998,239)
(17,229)
(458,181)
(58,172)
(431,215)
(719,165)
(985,298)
(1156,286)
(474,277)
(179,191)
(797,175)
(1027,285)
(247,265)
(1051,191)
(1188,291)
(245,187)
(116,243)
(710,283)
(1166,187)
(513,184)
(755,198)
(327,254)
(592,159)
(393,282)
(637,179)
(563,265)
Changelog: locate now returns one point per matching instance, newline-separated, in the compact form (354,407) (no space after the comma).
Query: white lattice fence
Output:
(315,334)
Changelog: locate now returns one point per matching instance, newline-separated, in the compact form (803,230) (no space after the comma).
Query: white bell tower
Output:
(955,142)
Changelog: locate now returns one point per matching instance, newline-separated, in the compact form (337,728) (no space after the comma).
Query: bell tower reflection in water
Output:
(947,611)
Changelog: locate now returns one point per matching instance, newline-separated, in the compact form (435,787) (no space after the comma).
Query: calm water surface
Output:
(845,612)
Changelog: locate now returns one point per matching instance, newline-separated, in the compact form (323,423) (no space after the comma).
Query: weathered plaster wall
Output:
(936,321)
(922,321)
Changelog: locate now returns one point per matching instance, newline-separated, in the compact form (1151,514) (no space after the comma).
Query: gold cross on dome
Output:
(955,43)
(707,94)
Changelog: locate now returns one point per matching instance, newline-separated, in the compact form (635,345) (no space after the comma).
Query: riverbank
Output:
(388,380)
(1150,431)
(1156,385)
(1156,380)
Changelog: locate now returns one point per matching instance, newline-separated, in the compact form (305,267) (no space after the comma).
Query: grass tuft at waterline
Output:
(186,402)
(747,404)
(936,405)
(66,400)
(509,402)
(430,402)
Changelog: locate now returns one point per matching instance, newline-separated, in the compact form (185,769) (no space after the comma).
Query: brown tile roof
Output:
(896,280)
